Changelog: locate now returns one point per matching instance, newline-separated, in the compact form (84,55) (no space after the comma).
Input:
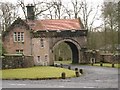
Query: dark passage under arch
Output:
(75,54)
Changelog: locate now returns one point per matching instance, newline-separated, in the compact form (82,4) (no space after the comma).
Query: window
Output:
(42,42)
(46,57)
(38,58)
(22,36)
(18,36)
(15,36)
(19,51)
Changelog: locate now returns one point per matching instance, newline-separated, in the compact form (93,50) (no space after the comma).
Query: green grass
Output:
(107,65)
(64,62)
(36,72)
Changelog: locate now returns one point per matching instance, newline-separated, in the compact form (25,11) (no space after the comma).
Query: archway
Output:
(75,49)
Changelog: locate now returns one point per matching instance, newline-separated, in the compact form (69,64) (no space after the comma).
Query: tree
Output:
(118,23)
(77,6)
(40,7)
(8,14)
(109,12)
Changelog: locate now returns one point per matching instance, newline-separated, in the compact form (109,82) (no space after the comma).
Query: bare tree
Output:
(8,14)
(58,8)
(77,6)
(40,7)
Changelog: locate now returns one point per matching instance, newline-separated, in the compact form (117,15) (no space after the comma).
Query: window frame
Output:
(15,36)
(19,51)
(18,36)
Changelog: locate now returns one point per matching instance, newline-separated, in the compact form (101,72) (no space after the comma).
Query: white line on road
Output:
(88,87)
(60,86)
(18,84)
(98,80)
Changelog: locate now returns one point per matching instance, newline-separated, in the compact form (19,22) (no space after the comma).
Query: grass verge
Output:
(64,62)
(36,73)
(107,65)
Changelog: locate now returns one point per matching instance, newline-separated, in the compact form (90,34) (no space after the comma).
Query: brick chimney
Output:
(30,12)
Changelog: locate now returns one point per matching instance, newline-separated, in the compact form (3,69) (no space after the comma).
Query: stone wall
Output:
(108,58)
(97,57)
(17,61)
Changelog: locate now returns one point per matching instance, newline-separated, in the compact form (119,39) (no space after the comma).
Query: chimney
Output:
(30,12)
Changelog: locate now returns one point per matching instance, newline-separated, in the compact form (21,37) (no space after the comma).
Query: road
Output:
(93,77)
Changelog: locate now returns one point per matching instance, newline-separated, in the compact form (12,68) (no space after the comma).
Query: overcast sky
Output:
(93,3)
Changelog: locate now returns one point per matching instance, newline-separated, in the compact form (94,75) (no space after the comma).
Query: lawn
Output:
(96,64)
(36,72)
(107,65)
(64,62)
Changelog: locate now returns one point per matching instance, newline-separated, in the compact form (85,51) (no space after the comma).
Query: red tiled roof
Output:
(56,24)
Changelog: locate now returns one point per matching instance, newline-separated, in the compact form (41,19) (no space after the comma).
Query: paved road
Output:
(94,77)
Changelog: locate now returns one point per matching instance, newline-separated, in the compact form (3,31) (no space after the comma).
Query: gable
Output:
(17,23)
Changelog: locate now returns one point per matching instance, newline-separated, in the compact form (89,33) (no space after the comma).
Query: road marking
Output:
(18,84)
(98,80)
(61,86)
(88,87)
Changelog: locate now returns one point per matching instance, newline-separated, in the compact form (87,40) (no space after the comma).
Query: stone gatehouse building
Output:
(38,38)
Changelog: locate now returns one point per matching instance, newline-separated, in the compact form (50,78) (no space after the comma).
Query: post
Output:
(63,75)
(55,65)
(81,71)
(113,65)
(77,73)
(76,69)
(101,64)
(69,67)
(61,65)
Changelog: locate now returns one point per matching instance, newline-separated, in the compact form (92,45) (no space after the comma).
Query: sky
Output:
(93,3)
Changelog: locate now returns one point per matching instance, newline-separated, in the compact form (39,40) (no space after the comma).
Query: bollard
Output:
(92,64)
(101,64)
(63,75)
(61,65)
(77,74)
(55,65)
(81,71)
(76,69)
(113,65)
(69,67)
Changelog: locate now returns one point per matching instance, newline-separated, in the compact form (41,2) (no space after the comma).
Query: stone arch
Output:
(75,48)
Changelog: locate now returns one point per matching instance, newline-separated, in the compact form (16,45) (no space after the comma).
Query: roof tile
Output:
(56,24)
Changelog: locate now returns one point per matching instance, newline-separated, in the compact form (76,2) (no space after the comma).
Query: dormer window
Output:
(18,36)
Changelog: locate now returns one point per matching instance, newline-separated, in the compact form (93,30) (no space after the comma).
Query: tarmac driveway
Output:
(93,77)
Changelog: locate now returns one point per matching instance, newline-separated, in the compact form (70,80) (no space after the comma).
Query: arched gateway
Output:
(74,46)
(38,38)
